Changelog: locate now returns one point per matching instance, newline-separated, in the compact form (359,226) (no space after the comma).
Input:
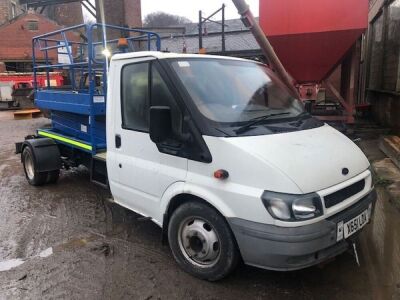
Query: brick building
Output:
(10,9)
(65,14)
(17,34)
(18,26)
(121,12)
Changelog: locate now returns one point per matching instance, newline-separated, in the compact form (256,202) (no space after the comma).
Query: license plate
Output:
(347,229)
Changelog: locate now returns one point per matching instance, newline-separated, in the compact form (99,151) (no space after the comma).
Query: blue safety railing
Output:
(81,53)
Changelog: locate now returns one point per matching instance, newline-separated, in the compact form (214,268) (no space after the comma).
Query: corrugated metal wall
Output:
(383,62)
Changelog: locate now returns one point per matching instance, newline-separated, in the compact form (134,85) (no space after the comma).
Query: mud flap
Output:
(46,154)
(98,172)
(18,148)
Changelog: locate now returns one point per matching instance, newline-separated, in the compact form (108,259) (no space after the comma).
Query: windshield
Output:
(235,92)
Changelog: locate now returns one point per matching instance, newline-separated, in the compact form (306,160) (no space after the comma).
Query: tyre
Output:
(32,175)
(52,177)
(202,242)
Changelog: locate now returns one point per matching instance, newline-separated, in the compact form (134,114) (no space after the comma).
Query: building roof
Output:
(193,28)
(24,15)
(230,25)
(238,39)
(234,42)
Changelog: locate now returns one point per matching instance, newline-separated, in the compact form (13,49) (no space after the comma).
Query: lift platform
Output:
(81,53)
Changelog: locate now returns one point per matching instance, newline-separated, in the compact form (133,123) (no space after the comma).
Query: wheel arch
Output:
(197,195)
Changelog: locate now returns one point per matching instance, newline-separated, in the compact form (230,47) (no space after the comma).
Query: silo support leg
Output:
(349,108)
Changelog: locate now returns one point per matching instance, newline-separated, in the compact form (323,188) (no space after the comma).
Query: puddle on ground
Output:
(74,244)
(68,246)
(10,264)
(13,263)
(46,253)
(381,249)
(71,245)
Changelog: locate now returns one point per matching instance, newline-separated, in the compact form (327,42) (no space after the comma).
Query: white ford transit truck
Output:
(217,153)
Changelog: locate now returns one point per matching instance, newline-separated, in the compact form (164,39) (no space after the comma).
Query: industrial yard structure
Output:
(382,62)
(363,77)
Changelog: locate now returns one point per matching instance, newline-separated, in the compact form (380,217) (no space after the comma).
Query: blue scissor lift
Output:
(78,109)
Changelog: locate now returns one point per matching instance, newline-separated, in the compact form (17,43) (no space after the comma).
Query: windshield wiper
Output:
(256,121)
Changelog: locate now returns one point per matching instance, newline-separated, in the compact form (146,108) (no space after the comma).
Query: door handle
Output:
(117,141)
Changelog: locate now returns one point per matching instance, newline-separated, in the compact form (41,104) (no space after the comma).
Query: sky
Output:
(190,8)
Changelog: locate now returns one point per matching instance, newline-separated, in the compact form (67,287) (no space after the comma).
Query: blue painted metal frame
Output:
(80,107)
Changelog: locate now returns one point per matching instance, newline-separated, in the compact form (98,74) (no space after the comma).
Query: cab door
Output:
(141,172)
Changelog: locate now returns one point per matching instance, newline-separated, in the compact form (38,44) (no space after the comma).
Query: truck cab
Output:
(191,138)
(217,152)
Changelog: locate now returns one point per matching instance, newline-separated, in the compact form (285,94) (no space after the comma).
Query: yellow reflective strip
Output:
(65,140)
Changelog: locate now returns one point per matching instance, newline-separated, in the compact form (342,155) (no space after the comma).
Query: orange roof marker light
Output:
(122,43)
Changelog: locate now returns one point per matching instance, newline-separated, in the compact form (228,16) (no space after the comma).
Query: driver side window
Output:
(142,87)
(135,97)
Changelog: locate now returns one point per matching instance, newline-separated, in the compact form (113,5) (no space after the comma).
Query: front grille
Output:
(343,194)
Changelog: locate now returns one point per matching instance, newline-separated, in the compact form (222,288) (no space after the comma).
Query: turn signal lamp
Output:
(221,174)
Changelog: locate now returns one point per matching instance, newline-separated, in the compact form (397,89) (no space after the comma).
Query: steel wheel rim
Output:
(29,167)
(199,242)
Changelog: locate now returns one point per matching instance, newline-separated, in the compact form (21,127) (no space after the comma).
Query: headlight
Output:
(289,207)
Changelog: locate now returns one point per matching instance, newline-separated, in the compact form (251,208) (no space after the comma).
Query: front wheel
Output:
(202,242)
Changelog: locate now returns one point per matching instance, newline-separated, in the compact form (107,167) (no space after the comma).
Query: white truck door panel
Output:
(146,173)
(143,172)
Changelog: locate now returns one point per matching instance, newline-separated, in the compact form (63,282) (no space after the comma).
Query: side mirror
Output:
(308,106)
(160,123)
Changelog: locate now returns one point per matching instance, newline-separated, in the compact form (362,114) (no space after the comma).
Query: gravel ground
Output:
(67,241)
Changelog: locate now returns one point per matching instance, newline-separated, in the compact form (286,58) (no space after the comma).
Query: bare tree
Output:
(161,19)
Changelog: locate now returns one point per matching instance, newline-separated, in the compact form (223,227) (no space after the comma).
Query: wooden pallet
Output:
(27,114)
(390,145)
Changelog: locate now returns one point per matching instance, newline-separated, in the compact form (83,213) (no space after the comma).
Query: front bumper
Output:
(292,248)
